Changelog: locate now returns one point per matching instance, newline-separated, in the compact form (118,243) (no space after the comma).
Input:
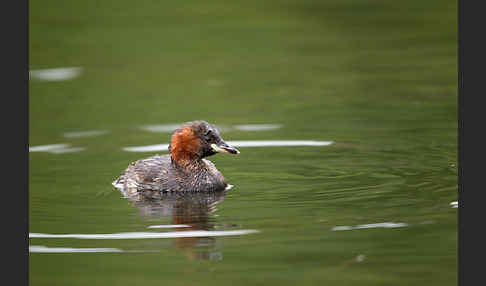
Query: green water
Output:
(378,78)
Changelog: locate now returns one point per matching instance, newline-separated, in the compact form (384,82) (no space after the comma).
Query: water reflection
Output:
(188,212)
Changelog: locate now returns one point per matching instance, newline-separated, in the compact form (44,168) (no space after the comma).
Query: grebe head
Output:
(196,140)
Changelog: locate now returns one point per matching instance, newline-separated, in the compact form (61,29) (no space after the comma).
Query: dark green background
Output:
(379,78)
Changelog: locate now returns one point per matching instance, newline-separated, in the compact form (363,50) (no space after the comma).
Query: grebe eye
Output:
(209,135)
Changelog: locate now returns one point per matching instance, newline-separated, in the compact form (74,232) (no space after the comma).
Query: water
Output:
(378,79)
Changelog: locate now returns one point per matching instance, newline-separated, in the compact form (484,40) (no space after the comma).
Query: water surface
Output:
(378,206)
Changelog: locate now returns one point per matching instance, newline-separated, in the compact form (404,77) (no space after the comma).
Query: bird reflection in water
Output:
(192,211)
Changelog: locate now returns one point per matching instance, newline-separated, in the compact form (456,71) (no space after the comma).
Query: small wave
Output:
(253,143)
(56,148)
(45,249)
(168,226)
(82,134)
(168,128)
(160,128)
(55,74)
(258,127)
(372,225)
(147,235)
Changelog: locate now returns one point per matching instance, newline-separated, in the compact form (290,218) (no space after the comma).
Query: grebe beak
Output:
(224,148)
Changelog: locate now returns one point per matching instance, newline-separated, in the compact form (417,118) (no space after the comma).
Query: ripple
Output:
(277,143)
(372,225)
(56,148)
(258,127)
(148,148)
(55,74)
(168,226)
(45,249)
(168,128)
(68,150)
(81,134)
(250,143)
(161,128)
(47,148)
(147,235)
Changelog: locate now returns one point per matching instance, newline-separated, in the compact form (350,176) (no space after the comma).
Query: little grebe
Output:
(184,169)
